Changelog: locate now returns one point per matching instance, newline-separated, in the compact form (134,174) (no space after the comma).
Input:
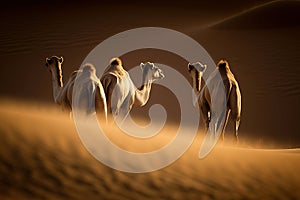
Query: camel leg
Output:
(100,105)
(204,112)
(236,128)
(235,106)
(225,124)
(235,116)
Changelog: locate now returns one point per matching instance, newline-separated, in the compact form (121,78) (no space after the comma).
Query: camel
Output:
(90,85)
(121,92)
(232,92)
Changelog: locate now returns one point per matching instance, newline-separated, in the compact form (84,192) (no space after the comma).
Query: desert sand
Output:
(41,154)
(42,157)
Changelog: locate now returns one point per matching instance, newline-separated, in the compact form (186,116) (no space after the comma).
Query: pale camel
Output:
(90,85)
(232,92)
(121,93)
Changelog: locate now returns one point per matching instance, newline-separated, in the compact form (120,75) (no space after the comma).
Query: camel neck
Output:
(145,86)
(197,81)
(57,83)
(223,70)
(142,94)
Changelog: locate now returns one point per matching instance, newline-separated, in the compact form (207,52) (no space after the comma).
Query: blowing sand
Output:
(42,157)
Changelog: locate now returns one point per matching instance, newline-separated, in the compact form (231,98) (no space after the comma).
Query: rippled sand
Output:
(42,157)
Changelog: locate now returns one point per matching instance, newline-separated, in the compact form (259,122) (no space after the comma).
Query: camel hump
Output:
(115,61)
(223,64)
(88,67)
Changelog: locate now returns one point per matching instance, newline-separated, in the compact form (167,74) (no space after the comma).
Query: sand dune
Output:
(42,157)
(271,15)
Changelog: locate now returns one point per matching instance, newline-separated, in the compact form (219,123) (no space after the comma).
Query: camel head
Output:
(53,64)
(223,64)
(196,71)
(54,60)
(151,72)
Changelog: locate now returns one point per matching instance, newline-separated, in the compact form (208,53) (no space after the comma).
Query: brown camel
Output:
(63,93)
(120,91)
(232,92)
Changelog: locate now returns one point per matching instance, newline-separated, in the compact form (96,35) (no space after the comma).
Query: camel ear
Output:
(61,59)
(47,62)
(190,67)
(142,65)
(203,68)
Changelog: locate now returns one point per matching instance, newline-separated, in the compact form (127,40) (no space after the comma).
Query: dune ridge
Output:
(270,15)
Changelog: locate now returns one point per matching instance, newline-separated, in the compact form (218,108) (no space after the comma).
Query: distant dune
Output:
(42,157)
(276,14)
